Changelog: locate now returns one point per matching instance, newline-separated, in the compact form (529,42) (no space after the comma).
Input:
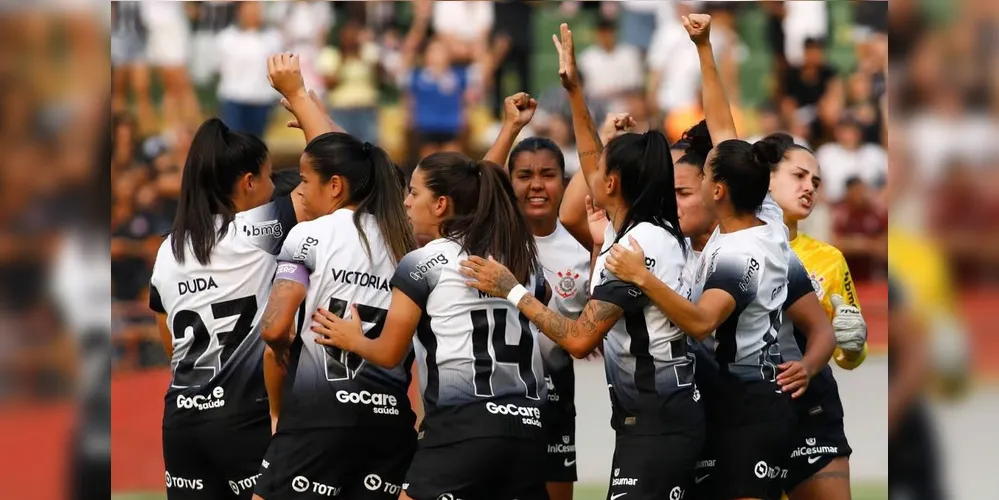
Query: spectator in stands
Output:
(862,104)
(513,46)
(350,71)
(305,25)
(849,157)
(769,121)
(210,18)
(610,68)
(436,90)
(168,50)
(129,68)
(964,233)
(810,88)
(860,231)
(464,28)
(245,95)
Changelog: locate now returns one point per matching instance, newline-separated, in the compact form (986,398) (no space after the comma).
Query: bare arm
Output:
(911,365)
(810,318)
(275,371)
(285,75)
(717,110)
(578,337)
(166,338)
(275,326)
(518,111)
(698,319)
(389,349)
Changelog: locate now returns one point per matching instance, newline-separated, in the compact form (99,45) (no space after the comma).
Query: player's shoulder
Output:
(653,238)
(438,253)
(813,252)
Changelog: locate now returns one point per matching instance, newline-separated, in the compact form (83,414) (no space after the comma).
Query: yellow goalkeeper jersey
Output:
(830,276)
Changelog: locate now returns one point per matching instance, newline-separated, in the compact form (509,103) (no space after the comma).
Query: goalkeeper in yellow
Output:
(818,467)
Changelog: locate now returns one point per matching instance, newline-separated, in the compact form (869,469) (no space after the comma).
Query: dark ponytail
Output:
(697,141)
(784,144)
(217,158)
(373,181)
(745,169)
(645,169)
(486,218)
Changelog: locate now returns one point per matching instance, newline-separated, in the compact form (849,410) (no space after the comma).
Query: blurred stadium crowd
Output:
(425,76)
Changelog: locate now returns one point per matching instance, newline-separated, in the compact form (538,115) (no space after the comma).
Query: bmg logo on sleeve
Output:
(424,266)
(304,247)
(268,228)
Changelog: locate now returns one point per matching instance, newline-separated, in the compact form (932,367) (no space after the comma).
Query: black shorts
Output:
(817,442)
(913,466)
(751,425)
(654,467)
(559,423)
(212,460)
(367,463)
(490,468)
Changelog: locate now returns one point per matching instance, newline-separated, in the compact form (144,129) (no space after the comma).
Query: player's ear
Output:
(720,190)
(338,187)
(441,206)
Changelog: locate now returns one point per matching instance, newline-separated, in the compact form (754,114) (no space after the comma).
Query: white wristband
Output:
(516,294)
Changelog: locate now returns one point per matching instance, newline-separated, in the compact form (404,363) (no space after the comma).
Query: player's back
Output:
(646,360)
(750,265)
(329,387)
(480,367)
(212,310)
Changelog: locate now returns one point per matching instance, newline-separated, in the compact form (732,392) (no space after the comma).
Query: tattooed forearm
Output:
(578,337)
(276,322)
(506,282)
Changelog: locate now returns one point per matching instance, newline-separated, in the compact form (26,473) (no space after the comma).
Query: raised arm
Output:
(518,111)
(585,130)
(285,75)
(717,109)
(578,337)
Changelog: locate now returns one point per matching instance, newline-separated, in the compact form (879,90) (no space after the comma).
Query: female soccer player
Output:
(480,368)
(325,400)
(209,282)
(537,170)
(819,466)
(660,426)
(738,292)
(210,279)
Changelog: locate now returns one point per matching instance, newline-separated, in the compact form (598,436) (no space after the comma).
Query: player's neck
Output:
(731,223)
(792,228)
(543,227)
(700,241)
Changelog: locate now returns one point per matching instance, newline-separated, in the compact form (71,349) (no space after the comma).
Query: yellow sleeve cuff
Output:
(848,362)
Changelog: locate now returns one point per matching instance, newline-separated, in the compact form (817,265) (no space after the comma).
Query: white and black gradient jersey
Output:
(751,266)
(822,396)
(566,266)
(480,367)
(212,313)
(648,367)
(326,386)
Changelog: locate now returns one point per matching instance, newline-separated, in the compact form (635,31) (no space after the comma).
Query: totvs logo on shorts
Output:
(184,483)
(301,484)
(202,403)
(532,416)
(245,484)
(384,404)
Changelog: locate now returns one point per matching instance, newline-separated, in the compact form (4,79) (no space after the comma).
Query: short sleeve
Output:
(267,226)
(798,282)
(300,247)
(418,274)
(736,274)
(155,301)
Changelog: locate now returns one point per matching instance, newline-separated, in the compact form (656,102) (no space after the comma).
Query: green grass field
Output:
(865,491)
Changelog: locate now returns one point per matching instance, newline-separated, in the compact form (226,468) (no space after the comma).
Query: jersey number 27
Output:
(343,365)
(196,369)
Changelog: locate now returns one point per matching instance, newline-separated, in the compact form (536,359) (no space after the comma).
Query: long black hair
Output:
(217,159)
(645,169)
(745,169)
(285,181)
(486,219)
(785,144)
(373,181)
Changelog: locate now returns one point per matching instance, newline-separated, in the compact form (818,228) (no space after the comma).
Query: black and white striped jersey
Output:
(751,266)
(212,312)
(566,265)
(478,358)
(326,386)
(645,355)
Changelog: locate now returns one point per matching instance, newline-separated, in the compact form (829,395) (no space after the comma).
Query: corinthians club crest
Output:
(566,286)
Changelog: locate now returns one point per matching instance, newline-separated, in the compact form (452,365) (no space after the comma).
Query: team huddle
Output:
(294,314)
